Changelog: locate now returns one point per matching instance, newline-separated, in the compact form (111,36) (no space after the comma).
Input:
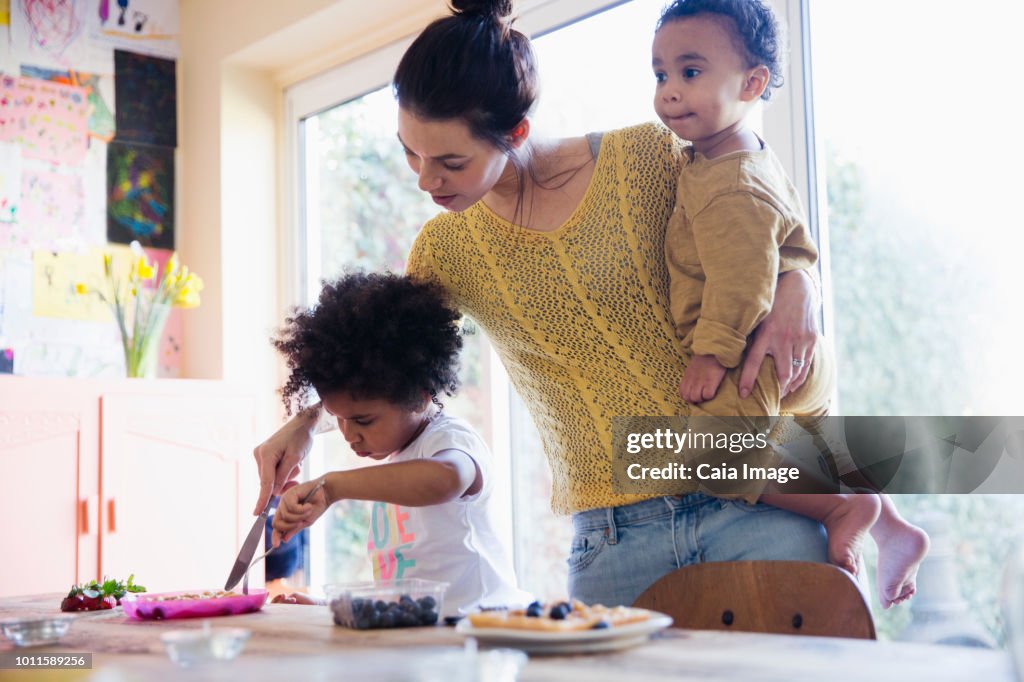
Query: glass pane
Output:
(924,234)
(923,220)
(363,210)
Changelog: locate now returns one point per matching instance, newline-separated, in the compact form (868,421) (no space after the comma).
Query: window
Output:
(916,165)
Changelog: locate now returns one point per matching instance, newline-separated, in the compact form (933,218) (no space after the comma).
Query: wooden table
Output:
(301,644)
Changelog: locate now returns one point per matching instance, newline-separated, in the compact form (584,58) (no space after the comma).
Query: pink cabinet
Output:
(108,478)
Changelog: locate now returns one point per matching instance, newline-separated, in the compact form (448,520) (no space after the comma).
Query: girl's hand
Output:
(703,376)
(293,515)
(788,334)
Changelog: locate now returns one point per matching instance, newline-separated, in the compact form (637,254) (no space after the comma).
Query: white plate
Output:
(575,642)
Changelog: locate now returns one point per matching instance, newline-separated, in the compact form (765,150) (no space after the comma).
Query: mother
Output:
(556,249)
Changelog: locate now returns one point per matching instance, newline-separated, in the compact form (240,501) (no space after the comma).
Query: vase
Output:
(142,353)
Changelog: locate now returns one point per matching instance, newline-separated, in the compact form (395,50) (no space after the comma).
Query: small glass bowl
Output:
(36,631)
(408,602)
(191,647)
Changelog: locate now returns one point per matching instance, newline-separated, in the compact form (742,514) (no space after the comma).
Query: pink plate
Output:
(147,606)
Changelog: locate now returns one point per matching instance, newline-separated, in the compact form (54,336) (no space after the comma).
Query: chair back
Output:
(781,597)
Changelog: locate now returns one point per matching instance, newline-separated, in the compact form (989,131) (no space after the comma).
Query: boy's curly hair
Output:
(377,336)
(754,26)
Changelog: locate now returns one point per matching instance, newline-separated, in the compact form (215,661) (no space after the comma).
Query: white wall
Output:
(237,56)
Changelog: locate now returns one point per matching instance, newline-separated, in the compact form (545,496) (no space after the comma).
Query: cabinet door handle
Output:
(111,524)
(83,517)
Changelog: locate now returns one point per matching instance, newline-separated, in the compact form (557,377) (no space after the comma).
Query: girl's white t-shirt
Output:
(453,542)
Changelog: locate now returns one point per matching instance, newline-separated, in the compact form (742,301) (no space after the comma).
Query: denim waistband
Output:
(639,512)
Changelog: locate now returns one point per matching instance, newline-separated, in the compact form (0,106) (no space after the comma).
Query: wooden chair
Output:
(781,597)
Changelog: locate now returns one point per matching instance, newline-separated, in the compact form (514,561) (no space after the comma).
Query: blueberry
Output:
(387,619)
(380,605)
(427,603)
(428,617)
(407,620)
(601,625)
(559,611)
(534,610)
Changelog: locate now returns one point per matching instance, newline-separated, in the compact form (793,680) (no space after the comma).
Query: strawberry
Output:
(96,596)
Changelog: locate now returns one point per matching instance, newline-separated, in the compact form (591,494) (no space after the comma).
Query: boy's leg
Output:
(847,519)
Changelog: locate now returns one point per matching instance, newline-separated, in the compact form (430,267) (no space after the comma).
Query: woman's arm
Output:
(789,333)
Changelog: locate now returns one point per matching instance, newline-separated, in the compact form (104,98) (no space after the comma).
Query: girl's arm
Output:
(789,333)
(446,476)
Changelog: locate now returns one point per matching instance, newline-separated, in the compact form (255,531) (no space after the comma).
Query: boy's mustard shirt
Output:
(579,316)
(737,225)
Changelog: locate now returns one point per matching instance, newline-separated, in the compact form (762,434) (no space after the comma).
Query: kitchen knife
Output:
(252,540)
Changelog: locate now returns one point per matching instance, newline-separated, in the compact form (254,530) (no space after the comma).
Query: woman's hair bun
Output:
(487,9)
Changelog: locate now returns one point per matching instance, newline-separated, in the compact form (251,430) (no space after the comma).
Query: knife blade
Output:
(252,540)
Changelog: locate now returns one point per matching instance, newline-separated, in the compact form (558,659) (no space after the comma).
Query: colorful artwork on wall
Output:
(48,120)
(140,194)
(99,95)
(10,182)
(53,33)
(52,212)
(145,99)
(147,26)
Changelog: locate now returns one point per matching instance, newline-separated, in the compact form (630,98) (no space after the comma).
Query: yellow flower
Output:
(142,301)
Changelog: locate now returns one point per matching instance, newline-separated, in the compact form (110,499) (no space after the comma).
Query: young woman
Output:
(556,248)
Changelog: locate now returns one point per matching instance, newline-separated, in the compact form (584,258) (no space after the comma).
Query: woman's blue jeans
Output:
(618,552)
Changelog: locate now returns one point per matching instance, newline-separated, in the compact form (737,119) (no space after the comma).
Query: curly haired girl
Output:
(379,350)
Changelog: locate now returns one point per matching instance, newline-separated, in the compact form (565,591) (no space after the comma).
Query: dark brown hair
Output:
(472,66)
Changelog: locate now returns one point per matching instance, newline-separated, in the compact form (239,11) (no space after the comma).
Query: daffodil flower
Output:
(142,302)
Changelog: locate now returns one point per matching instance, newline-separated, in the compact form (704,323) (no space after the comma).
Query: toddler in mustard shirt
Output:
(737,225)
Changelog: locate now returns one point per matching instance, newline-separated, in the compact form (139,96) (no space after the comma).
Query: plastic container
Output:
(395,604)
(205,645)
(35,631)
(167,605)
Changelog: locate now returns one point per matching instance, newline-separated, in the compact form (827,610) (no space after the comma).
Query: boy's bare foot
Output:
(847,525)
(901,547)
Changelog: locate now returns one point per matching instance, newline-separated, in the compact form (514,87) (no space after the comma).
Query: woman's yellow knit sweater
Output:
(580,315)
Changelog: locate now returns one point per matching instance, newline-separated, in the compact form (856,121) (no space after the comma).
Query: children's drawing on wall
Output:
(10,187)
(53,33)
(145,99)
(52,211)
(54,276)
(48,120)
(99,91)
(148,26)
(140,194)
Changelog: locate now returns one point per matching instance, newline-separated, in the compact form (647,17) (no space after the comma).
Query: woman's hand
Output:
(295,512)
(788,334)
(279,458)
